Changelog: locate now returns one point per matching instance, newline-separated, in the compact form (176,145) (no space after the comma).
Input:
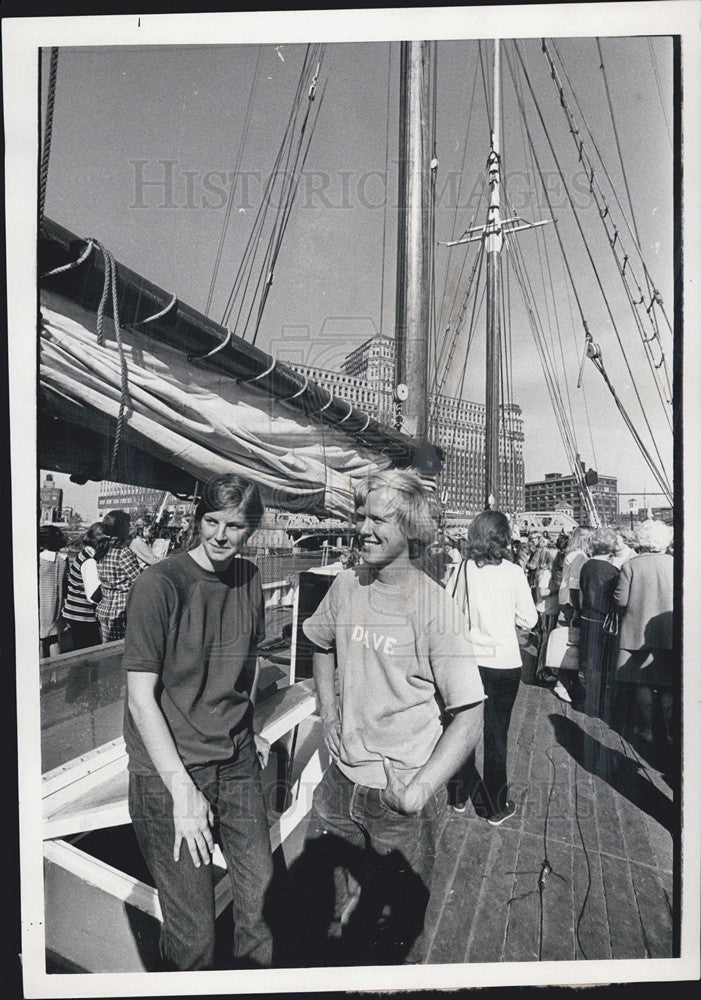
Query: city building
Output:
(555,491)
(138,500)
(366,380)
(50,501)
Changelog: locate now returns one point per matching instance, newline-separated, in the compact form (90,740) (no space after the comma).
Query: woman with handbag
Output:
(495,598)
(547,587)
(597,583)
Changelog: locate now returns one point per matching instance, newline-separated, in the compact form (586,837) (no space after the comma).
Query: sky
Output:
(121,112)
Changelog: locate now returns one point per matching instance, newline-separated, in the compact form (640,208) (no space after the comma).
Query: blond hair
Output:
(411,501)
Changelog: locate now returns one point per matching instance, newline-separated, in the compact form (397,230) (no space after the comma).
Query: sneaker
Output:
(498,818)
(561,691)
(459,807)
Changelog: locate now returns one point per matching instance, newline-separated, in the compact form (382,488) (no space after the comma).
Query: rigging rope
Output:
(443,369)
(654,295)
(598,362)
(286,170)
(621,258)
(565,430)
(109,292)
(590,257)
(659,88)
(512,417)
(232,190)
(550,349)
(583,387)
(453,228)
(298,168)
(48,130)
(158,315)
(616,136)
(476,307)
(91,245)
(487,102)
(505,388)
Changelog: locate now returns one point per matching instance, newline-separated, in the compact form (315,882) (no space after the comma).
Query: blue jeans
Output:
(186,893)
(391,856)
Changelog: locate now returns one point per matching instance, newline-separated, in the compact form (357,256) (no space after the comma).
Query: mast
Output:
(494,240)
(413,251)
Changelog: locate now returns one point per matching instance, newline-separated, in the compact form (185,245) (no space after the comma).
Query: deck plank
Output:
(485,941)
(607,833)
(655,917)
(625,929)
(558,942)
(589,915)
(523,931)
(473,867)
(451,842)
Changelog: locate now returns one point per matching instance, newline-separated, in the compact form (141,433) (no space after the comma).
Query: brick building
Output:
(555,490)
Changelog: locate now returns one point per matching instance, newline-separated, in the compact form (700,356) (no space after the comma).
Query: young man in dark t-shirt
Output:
(194,621)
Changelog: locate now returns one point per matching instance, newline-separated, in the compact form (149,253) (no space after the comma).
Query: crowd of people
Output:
(614,589)
(415,661)
(84,586)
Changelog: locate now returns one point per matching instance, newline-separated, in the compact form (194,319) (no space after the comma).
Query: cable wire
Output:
(589,255)
(232,190)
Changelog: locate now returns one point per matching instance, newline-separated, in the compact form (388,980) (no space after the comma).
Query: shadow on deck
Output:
(600,813)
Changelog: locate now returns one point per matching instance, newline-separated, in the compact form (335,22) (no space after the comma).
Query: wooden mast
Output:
(494,240)
(413,251)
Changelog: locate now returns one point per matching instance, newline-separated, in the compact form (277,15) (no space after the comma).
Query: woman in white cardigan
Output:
(495,597)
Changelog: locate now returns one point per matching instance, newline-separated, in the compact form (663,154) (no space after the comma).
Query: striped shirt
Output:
(77,607)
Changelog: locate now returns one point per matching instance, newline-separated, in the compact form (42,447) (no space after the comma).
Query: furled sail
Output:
(187,418)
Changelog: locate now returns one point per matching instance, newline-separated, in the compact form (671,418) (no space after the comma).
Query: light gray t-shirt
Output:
(404,658)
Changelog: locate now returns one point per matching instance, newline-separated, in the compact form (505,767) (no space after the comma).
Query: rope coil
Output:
(74,263)
(159,315)
(215,350)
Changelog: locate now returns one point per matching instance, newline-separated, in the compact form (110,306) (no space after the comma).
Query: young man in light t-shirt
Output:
(400,699)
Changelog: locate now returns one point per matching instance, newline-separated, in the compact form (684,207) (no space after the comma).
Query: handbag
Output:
(611,623)
(562,652)
(466,602)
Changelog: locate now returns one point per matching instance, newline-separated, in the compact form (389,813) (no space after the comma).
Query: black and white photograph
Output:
(353,402)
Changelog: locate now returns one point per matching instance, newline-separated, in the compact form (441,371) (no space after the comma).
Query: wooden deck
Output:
(602,816)
(597,808)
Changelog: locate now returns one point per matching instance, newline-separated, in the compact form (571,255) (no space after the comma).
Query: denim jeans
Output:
(391,856)
(186,893)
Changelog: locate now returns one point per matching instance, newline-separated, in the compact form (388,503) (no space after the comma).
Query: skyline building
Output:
(133,499)
(366,380)
(555,490)
(50,501)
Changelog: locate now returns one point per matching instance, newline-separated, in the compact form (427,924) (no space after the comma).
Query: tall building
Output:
(366,380)
(556,490)
(50,501)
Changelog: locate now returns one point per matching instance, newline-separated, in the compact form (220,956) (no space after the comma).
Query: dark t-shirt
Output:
(199,631)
